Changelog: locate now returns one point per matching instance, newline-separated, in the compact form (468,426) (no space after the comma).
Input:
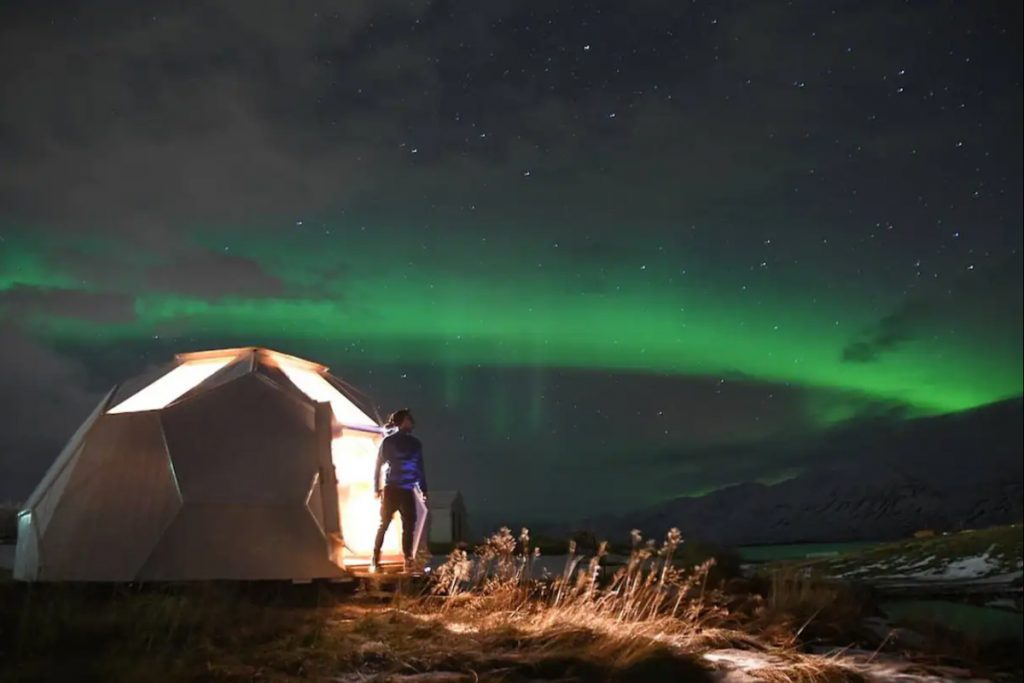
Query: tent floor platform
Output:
(389,580)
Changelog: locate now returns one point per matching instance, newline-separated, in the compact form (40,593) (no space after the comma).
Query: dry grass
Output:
(807,607)
(235,633)
(650,602)
(484,616)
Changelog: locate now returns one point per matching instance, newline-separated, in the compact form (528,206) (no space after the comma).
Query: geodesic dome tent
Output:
(231,464)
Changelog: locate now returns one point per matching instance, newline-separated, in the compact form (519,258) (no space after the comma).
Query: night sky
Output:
(587,243)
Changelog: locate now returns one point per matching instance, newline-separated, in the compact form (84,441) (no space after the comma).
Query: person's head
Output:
(402,419)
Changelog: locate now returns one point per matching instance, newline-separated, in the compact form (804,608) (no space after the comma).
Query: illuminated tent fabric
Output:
(221,465)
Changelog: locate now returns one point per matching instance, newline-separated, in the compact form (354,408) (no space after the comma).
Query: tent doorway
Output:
(355,440)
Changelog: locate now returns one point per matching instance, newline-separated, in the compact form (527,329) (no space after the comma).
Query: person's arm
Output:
(377,468)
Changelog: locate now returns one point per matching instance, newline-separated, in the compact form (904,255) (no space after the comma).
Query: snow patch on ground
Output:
(986,567)
(745,666)
(864,569)
(971,567)
(926,562)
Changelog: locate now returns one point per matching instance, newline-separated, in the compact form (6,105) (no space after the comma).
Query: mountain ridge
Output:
(885,480)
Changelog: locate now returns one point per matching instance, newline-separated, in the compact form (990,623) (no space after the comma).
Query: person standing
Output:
(398,473)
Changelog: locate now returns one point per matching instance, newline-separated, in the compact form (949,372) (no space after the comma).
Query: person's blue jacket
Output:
(403,454)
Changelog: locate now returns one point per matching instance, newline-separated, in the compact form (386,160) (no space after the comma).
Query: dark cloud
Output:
(183,268)
(248,113)
(891,332)
(22,302)
(210,274)
(185,110)
(45,395)
(983,297)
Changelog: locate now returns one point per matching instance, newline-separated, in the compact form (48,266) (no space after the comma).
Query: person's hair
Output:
(398,417)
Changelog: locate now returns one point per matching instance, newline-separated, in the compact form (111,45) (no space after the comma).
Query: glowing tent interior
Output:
(231,464)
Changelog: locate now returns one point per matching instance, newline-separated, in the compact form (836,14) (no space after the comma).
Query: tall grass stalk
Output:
(648,592)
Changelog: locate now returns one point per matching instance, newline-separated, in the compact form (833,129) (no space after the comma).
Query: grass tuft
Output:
(647,616)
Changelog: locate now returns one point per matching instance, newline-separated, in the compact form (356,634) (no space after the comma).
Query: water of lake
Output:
(980,623)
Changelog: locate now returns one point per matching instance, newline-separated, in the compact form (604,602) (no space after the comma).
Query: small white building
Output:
(448,522)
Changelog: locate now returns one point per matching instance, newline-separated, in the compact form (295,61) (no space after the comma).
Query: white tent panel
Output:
(317,388)
(44,508)
(67,453)
(119,499)
(241,542)
(162,392)
(244,442)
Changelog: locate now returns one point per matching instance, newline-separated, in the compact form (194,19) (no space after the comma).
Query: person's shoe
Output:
(409,567)
(374,567)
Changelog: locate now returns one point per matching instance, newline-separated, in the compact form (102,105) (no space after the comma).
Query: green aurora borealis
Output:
(467,305)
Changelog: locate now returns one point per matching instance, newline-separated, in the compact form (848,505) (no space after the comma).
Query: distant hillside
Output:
(884,480)
(987,560)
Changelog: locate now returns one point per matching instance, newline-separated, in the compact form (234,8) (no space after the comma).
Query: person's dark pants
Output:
(403,501)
